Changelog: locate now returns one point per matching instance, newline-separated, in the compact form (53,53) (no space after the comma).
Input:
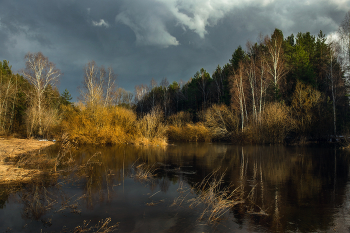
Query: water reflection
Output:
(281,188)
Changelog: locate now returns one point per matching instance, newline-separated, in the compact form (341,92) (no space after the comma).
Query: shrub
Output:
(275,124)
(304,104)
(221,121)
(151,128)
(99,125)
(179,119)
(190,133)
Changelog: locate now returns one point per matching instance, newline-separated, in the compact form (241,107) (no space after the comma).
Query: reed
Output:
(102,227)
(144,172)
(216,197)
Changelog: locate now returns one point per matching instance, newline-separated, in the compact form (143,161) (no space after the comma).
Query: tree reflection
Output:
(283,188)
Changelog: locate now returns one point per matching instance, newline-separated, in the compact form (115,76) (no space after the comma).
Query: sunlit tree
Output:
(40,73)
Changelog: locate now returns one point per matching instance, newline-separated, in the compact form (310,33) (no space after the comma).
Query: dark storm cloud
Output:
(145,39)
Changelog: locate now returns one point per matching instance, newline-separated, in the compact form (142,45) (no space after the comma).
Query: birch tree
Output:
(99,85)
(237,92)
(275,59)
(40,73)
(250,72)
(344,32)
(334,75)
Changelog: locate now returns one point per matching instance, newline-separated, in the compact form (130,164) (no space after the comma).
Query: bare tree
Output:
(152,86)
(238,92)
(333,75)
(121,96)
(344,32)
(250,71)
(110,87)
(262,79)
(140,92)
(41,74)
(93,84)
(98,85)
(275,58)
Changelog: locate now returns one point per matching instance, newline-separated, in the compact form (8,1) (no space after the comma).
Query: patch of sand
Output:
(14,147)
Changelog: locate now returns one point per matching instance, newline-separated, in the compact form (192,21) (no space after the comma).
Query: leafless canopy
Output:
(99,85)
(40,72)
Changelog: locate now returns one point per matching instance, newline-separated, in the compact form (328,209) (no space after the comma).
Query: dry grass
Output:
(10,151)
(217,198)
(151,129)
(101,227)
(144,172)
(212,196)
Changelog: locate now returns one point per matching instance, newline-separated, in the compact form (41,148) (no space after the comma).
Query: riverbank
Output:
(10,149)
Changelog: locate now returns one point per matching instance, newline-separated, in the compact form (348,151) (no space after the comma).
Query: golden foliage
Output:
(151,128)
(190,133)
(100,125)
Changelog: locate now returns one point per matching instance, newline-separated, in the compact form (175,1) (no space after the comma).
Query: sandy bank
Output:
(13,147)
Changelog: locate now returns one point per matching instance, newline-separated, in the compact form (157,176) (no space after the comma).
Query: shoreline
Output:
(12,148)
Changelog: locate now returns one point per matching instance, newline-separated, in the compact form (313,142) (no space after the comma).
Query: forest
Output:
(280,89)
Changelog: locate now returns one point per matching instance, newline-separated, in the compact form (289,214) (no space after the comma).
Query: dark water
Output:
(280,189)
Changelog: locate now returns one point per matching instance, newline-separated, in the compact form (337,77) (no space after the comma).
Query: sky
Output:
(145,39)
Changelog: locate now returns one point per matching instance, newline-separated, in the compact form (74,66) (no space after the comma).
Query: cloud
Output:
(173,38)
(148,23)
(101,23)
(150,19)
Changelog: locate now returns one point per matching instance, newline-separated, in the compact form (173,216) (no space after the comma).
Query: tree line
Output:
(304,76)
(276,89)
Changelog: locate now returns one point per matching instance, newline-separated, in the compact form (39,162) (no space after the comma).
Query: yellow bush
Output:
(151,128)
(189,133)
(101,125)
(276,122)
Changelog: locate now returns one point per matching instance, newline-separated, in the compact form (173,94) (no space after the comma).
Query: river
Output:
(187,187)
